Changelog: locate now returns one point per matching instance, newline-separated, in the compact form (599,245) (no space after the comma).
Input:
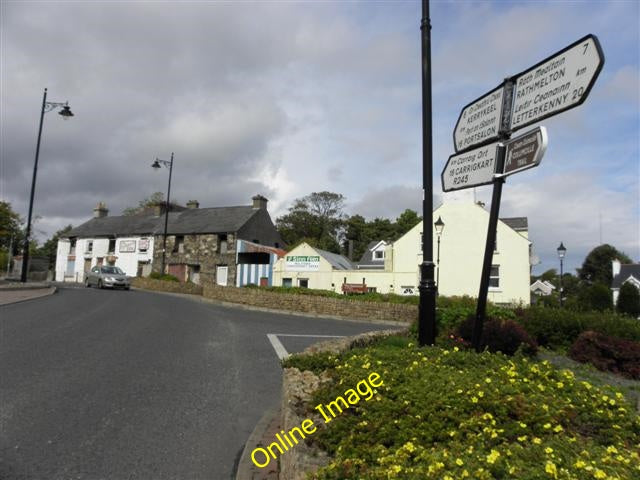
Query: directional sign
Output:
(470,169)
(558,83)
(525,151)
(479,121)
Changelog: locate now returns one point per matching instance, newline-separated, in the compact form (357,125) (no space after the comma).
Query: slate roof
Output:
(338,262)
(626,271)
(517,223)
(190,221)
(367,257)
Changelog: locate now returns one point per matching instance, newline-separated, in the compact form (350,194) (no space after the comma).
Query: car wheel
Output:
(100,284)
(86,283)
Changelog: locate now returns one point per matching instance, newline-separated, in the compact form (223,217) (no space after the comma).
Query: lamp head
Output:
(66,112)
(155,165)
(561,251)
(439,224)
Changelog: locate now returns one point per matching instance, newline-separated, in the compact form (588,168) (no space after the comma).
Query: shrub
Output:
(166,277)
(596,297)
(457,414)
(505,336)
(559,327)
(629,300)
(608,353)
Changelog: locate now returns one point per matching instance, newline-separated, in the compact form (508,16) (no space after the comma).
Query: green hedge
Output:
(452,414)
(558,328)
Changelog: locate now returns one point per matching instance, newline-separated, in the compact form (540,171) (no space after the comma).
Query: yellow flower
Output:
(493,456)
(611,449)
(559,384)
(551,469)
(547,426)
(488,380)
(579,464)
(474,399)
(409,447)
(481,394)
(599,474)
(459,462)
(558,429)
(548,450)
(522,438)
(537,441)
(367,365)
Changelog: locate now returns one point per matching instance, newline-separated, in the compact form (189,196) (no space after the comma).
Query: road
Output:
(112,385)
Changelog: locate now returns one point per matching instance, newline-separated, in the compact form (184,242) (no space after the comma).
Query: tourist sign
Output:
(470,169)
(525,151)
(558,83)
(479,122)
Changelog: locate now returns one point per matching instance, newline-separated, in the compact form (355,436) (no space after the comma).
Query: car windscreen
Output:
(112,270)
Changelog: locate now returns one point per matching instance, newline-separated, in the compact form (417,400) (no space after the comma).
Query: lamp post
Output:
(439,224)
(156,165)
(561,253)
(66,113)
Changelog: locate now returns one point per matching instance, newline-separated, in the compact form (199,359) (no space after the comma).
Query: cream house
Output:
(461,253)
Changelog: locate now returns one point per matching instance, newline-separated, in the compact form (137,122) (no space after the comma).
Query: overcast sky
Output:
(287,98)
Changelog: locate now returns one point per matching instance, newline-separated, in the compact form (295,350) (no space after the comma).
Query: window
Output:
(178,245)
(286,282)
(495,245)
(303,282)
(494,277)
(112,245)
(378,255)
(72,248)
(89,248)
(143,245)
(222,243)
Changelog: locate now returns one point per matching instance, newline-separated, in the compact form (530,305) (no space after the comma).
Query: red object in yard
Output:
(354,288)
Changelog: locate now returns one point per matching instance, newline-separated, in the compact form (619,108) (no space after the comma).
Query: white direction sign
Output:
(470,169)
(558,83)
(525,151)
(479,121)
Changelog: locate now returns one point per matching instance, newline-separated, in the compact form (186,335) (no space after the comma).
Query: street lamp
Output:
(156,165)
(66,114)
(561,253)
(439,224)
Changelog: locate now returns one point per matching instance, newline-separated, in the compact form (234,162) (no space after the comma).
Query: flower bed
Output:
(452,414)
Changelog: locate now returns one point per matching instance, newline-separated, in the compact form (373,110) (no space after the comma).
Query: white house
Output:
(461,253)
(624,273)
(542,288)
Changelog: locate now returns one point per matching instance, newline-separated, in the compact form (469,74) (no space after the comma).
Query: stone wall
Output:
(312,304)
(202,250)
(164,286)
(297,389)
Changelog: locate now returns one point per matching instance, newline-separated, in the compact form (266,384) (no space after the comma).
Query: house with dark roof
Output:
(624,273)
(373,256)
(201,243)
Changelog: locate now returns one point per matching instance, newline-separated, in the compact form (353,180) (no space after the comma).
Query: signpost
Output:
(470,169)
(525,151)
(558,83)
(479,121)
(552,86)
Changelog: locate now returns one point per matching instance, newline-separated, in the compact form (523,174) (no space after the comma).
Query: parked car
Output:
(107,276)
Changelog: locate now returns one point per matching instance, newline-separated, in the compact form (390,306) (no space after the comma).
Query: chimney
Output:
(100,211)
(259,202)
(193,204)
(615,266)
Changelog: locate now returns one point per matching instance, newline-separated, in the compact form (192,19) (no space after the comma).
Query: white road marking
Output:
(281,352)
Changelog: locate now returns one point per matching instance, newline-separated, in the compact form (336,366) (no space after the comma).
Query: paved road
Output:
(112,385)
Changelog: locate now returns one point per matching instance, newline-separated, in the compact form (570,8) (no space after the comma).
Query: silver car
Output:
(107,276)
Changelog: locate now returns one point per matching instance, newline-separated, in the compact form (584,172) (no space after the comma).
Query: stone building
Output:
(201,242)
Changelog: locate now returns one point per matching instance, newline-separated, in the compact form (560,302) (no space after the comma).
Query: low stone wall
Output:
(297,389)
(313,304)
(164,286)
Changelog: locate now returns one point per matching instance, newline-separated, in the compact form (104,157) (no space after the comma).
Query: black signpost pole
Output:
(427,287)
(488,252)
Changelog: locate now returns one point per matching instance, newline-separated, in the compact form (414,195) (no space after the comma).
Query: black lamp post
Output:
(439,224)
(156,165)
(66,113)
(561,253)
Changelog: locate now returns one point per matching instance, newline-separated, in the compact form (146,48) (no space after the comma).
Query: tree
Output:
(405,222)
(10,227)
(150,201)
(317,219)
(596,267)
(596,297)
(629,300)
(50,247)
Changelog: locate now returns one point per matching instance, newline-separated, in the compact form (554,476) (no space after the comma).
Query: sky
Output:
(289,98)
